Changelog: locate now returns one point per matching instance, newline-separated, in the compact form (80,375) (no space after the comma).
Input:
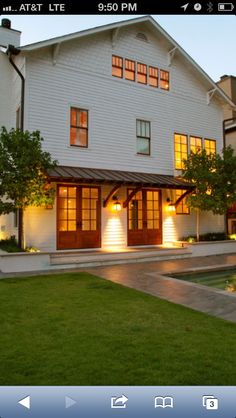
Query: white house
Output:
(119,107)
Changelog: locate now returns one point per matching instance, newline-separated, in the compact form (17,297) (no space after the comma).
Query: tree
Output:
(23,174)
(214,177)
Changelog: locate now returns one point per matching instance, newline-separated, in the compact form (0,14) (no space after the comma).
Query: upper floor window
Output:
(117,66)
(143,137)
(181,150)
(164,79)
(79,127)
(195,144)
(153,76)
(210,146)
(142,73)
(182,208)
(130,70)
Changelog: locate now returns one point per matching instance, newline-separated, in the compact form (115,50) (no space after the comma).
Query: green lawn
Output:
(76,329)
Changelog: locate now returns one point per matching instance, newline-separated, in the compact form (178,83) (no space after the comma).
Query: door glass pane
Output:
(62,203)
(62,225)
(71,203)
(93,226)
(62,191)
(85,204)
(62,214)
(72,191)
(86,192)
(71,214)
(71,225)
(85,214)
(85,225)
(149,195)
(149,224)
(149,214)
(94,193)
(156,224)
(149,205)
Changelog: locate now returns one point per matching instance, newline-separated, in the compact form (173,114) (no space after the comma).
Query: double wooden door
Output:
(78,217)
(144,218)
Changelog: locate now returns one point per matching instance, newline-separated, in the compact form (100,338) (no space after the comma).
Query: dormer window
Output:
(164,80)
(142,73)
(130,70)
(117,66)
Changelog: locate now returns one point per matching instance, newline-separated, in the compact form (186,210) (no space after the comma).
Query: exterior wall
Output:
(230,139)
(5,91)
(40,224)
(7,228)
(82,78)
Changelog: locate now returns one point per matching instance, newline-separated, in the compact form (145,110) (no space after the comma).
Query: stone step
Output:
(102,258)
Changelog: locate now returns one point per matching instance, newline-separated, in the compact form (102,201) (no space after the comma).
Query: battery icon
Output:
(225,7)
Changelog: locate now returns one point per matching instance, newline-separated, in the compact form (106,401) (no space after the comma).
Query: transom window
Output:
(143,137)
(130,70)
(181,150)
(182,208)
(210,146)
(153,76)
(142,73)
(79,127)
(117,66)
(164,80)
(195,144)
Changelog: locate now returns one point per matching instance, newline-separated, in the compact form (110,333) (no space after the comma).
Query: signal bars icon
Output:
(7,9)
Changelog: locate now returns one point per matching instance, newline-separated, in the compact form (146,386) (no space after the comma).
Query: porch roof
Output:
(101,176)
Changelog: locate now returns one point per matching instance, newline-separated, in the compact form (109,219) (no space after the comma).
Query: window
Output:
(18,116)
(79,127)
(130,70)
(210,146)
(153,76)
(143,137)
(181,150)
(142,73)
(195,144)
(182,208)
(16,218)
(164,80)
(117,66)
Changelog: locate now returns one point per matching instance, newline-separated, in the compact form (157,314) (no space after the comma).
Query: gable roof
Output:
(156,28)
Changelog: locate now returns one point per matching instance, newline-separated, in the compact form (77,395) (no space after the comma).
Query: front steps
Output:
(81,259)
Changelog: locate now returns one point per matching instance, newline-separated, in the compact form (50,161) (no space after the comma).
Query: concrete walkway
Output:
(148,278)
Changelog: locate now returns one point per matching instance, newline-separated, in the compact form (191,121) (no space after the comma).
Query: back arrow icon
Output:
(185,6)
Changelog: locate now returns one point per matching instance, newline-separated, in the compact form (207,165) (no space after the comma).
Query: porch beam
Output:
(131,195)
(182,197)
(110,194)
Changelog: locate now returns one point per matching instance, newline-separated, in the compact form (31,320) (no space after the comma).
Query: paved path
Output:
(147,277)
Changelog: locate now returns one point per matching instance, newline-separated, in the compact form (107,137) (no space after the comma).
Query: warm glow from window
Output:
(117,66)
(195,144)
(181,150)
(210,146)
(164,79)
(79,127)
(142,73)
(130,70)
(182,208)
(153,76)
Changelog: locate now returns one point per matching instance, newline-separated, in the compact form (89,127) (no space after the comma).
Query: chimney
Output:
(8,36)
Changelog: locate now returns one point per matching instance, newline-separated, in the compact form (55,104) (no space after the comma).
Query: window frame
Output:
(140,73)
(80,127)
(143,137)
(195,137)
(133,71)
(116,66)
(212,141)
(181,152)
(180,208)
(163,79)
(150,67)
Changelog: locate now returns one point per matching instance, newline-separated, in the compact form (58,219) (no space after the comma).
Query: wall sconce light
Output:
(171,205)
(116,204)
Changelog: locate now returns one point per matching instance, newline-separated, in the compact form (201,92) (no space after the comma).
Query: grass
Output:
(76,329)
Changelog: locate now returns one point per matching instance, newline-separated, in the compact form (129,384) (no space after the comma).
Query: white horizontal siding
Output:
(82,78)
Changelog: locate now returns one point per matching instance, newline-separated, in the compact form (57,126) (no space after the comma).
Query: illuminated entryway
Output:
(144,218)
(78,217)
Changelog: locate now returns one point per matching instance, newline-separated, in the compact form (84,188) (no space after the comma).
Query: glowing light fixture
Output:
(116,204)
(171,205)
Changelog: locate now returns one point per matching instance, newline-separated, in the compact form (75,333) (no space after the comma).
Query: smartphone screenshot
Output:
(117,209)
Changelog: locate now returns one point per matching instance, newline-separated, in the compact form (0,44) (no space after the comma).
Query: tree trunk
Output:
(198,222)
(21,243)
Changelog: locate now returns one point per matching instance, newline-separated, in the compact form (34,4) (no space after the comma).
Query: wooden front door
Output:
(78,217)
(144,218)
